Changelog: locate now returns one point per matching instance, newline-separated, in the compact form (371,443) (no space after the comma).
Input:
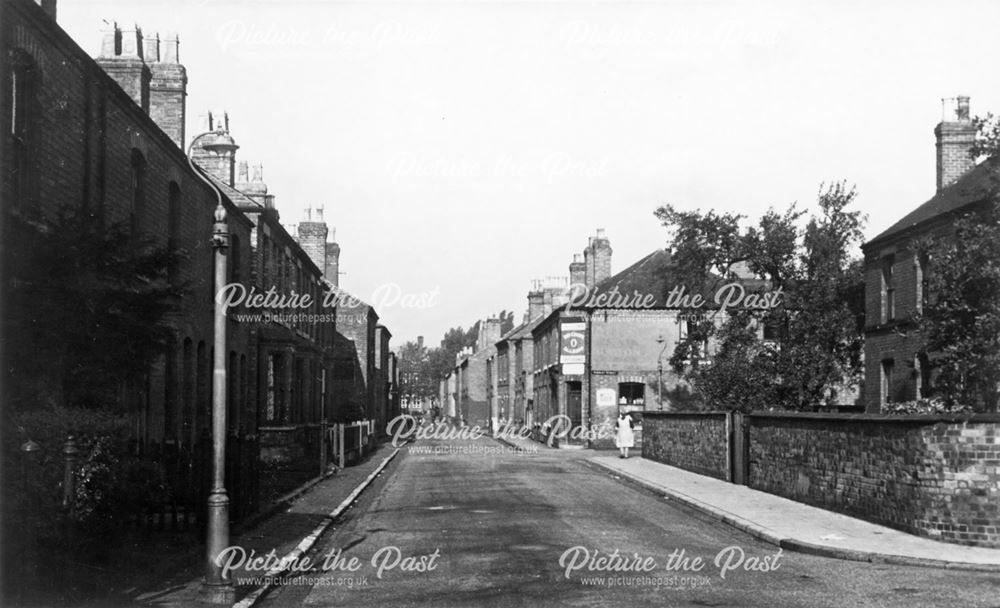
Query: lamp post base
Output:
(217,594)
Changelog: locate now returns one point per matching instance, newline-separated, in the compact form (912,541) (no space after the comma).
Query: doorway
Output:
(574,410)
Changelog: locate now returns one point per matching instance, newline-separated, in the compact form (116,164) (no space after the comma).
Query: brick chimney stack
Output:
(536,301)
(602,256)
(312,235)
(332,270)
(588,263)
(252,183)
(955,136)
(577,270)
(216,153)
(489,333)
(555,293)
(597,259)
(167,87)
(122,59)
(147,69)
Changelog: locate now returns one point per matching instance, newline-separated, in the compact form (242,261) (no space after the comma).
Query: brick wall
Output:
(934,476)
(692,441)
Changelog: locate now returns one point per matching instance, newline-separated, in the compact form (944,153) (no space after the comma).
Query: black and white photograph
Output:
(498,303)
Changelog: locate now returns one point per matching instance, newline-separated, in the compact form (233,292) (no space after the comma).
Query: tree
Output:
(817,325)
(961,319)
(705,245)
(85,307)
(441,360)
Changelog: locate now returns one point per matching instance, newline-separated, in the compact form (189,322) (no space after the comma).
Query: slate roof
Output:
(345,296)
(237,196)
(522,330)
(971,189)
(656,274)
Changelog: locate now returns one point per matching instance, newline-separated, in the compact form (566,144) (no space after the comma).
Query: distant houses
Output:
(590,347)
(594,345)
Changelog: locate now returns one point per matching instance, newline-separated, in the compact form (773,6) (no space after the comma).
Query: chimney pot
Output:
(962,111)
(170,48)
(131,45)
(110,40)
(151,48)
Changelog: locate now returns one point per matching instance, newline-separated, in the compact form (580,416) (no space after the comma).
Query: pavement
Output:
(290,530)
(789,524)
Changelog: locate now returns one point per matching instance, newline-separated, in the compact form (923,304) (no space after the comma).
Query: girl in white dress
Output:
(624,437)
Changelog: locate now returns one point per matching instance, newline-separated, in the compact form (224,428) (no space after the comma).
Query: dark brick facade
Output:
(354,366)
(383,384)
(86,136)
(106,135)
(472,404)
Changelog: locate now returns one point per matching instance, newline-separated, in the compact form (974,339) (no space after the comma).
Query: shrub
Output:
(109,481)
(924,406)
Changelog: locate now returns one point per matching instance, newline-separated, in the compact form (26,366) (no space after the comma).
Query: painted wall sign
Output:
(573,342)
(607,396)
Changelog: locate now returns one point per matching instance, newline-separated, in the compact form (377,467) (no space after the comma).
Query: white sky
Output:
(465,148)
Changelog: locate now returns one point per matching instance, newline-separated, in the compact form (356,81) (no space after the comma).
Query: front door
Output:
(574,410)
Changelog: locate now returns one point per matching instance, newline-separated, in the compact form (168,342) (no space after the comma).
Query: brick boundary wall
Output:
(933,476)
(693,441)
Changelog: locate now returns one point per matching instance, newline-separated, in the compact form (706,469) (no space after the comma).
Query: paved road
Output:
(490,529)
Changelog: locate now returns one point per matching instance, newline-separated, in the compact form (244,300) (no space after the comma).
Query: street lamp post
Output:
(217,589)
(659,372)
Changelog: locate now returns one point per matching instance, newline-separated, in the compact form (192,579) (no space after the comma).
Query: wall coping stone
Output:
(879,418)
(658,414)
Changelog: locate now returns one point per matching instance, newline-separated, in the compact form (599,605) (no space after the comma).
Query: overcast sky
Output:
(462,149)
